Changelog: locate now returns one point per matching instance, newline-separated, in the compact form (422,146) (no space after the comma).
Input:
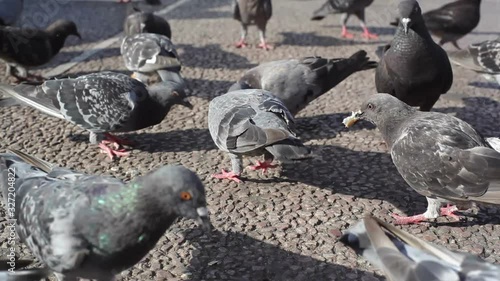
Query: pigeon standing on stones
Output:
(10,11)
(414,68)
(483,58)
(347,8)
(253,122)
(102,103)
(438,155)
(144,22)
(93,227)
(22,47)
(146,53)
(297,82)
(405,257)
(452,21)
(250,12)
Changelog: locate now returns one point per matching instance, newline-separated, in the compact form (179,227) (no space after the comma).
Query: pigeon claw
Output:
(346,34)
(265,46)
(449,211)
(119,141)
(408,220)
(112,152)
(228,175)
(241,44)
(262,166)
(368,35)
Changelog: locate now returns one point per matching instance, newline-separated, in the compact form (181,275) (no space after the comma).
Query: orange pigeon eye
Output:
(186,196)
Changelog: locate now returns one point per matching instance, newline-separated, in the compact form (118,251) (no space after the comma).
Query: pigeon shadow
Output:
(66,56)
(485,85)
(379,30)
(312,39)
(236,256)
(204,10)
(211,56)
(199,86)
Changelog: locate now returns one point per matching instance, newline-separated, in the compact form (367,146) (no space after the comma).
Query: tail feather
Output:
(27,93)
(39,163)
(289,150)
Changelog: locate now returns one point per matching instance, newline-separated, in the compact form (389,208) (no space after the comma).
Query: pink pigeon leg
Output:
(449,211)
(117,140)
(241,44)
(112,152)
(227,175)
(346,34)
(368,35)
(408,220)
(263,166)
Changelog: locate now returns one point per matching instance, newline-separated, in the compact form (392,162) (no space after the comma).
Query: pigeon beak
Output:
(406,23)
(204,219)
(186,103)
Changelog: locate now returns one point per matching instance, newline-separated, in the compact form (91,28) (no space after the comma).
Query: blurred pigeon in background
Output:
(297,82)
(102,103)
(414,68)
(438,155)
(405,257)
(253,12)
(10,11)
(23,47)
(483,58)
(144,22)
(94,227)
(253,122)
(347,8)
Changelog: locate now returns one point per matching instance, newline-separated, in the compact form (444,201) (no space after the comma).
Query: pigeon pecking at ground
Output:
(438,155)
(452,21)
(253,122)
(405,257)
(297,82)
(10,11)
(483,58)
(146,53)
(257,12)
(87,226)
(22,47)
(347,8)
(144,22)
(102,103)
(414,68)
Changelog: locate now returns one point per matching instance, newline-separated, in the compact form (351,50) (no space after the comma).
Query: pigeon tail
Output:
(323,11)
(289,150)
(167,75)
(39,163)
(28,93)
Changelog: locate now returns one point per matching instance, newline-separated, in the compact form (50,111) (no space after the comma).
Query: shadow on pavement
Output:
(211,56)
(311,39)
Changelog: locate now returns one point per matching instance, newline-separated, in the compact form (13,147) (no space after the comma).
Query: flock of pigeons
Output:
(63,215)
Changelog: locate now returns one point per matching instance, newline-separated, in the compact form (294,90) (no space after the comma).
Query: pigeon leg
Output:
(263,44)
(268,159)
(408,220)
(367,34)
(236,165)
(227,175)
(241,43)
(343,21)
(434,210)
(112,152)
(118,141)
(449,211)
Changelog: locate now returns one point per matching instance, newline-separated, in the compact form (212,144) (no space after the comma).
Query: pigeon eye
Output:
(186,196)
(370,106)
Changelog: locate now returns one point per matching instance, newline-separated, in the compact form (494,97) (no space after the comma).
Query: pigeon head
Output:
(177,190)
(409,13)
(63,28)
(381,109)
(169,93)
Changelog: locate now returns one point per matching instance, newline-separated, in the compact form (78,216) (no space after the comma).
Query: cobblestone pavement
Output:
(283,225)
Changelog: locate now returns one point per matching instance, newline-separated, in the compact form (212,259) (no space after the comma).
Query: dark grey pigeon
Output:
(102,103)
(21,48)
(10,11)
(144,22)
(483,58)
(297,82)
(147,53)
(16,271)
(405,257)
(414,68)
(438,155)
(253,122)
(453,20)
(346,8)
(87,226)
(253,12)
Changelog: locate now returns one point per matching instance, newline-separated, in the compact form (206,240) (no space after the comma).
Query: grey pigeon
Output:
(22,47)
(16,271)
(102,103)
(452,21)
(438,155)
(414,68)
(347,8)
(405,257)
(144,22)
(253,122)
(146,53)
(297,82)
(483,58)
(10,11)
(249,12)
(87,226)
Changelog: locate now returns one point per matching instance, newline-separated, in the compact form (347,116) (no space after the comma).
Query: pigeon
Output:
(347,8)
(438,155)
(405,257)
(102,103)
(250,12)
(23,47)
(414,68)
(146,53)
(482,58)
(93,227)
(452,21)
(297,82)
(16,271)
(143,22)
(253,122)
(10,11)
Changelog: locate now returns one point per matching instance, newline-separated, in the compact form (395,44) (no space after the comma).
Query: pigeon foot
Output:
(368,35)
(241,44)
(227,175)
(408,220)
(346,34)
(118,141)
(449,211)
(112,152)
(265,46)
(123,1)
(262,166)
